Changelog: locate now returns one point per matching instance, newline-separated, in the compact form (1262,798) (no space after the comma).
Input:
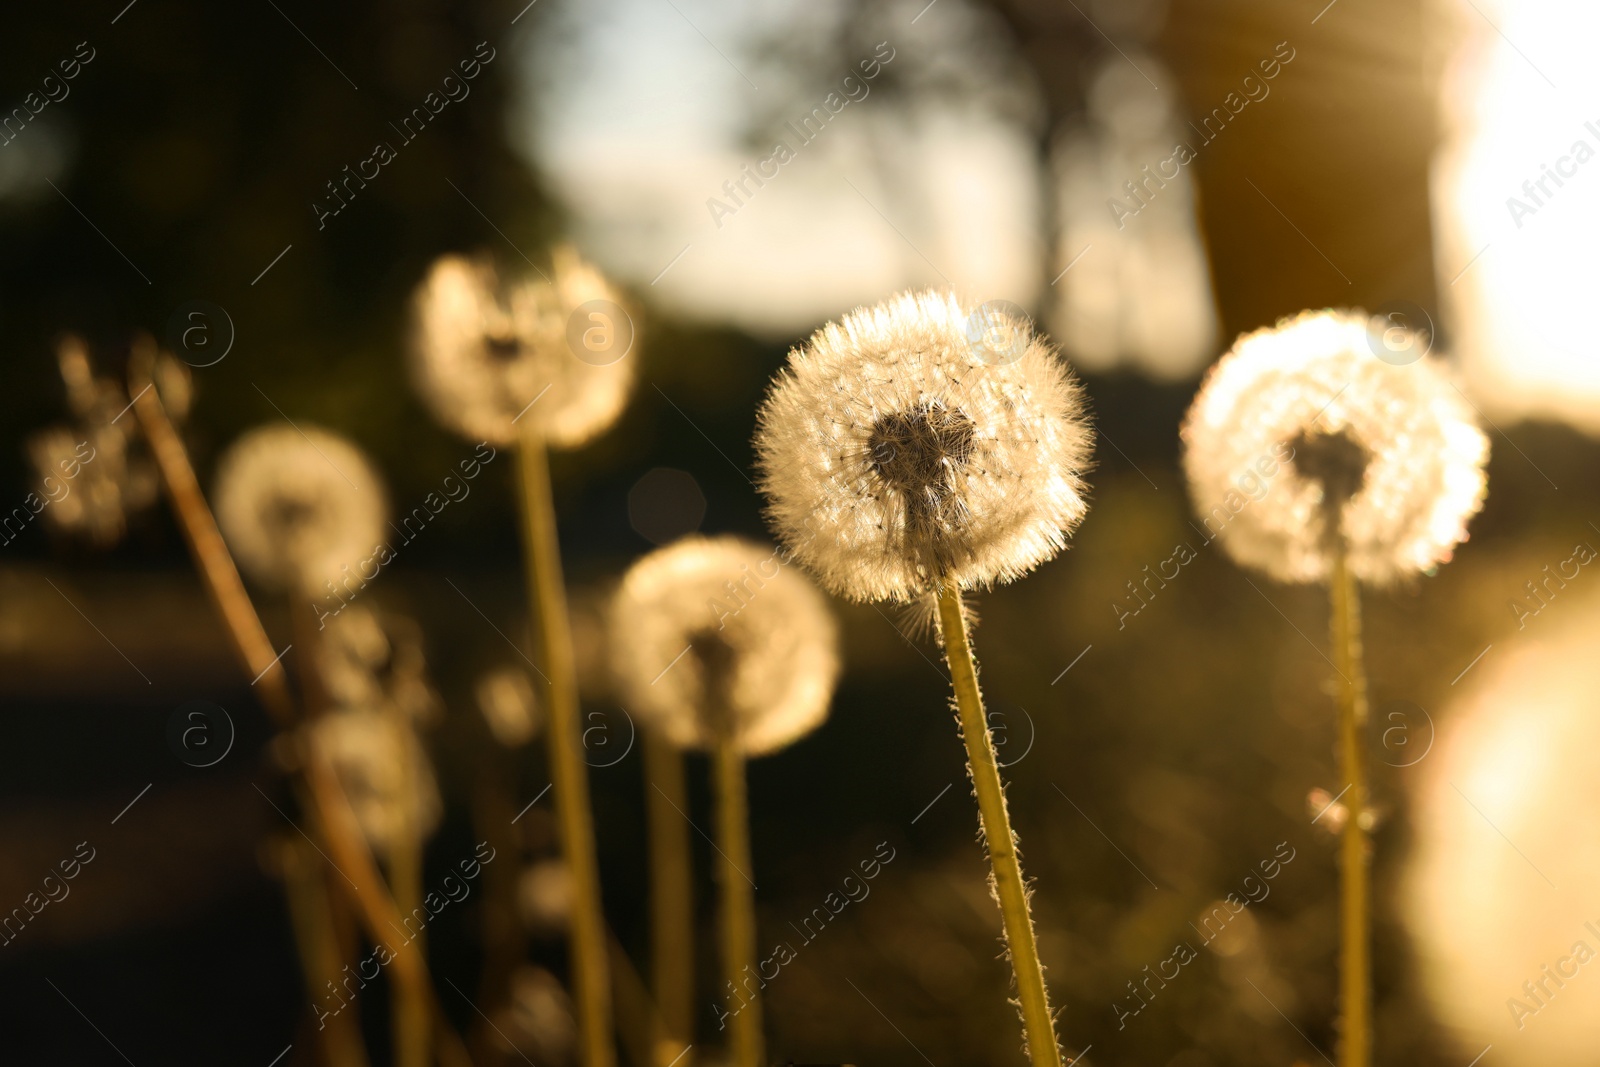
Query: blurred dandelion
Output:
(492,358)
(544,898)
(541,363)
(1499,890)
(505,697)
(717,646)
(903,457)
(759,637)
(896,452)
(538,1023)
(384,771)
(1384,467)
(301,508)
(96,474)
(1385,456)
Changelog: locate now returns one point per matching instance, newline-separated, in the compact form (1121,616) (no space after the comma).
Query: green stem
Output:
(1355,994)
(671,898)
(738,903)
(1010,890)
(568,772)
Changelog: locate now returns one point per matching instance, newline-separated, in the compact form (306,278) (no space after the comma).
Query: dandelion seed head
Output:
(353,651)
(544,897)
(1301,432)
(97,474)
(493,358)
(371,658)
(538,1021)
(719,634)
(299,505)
(384,771)
(906,443)
(505,697)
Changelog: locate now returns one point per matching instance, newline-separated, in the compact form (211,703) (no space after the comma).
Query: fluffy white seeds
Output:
(298,506)
(1298,418)
(494,358)
(718,634)
(919,440)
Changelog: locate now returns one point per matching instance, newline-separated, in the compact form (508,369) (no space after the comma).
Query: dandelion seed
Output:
(1391,450)
(299,507)
(494,358)
(760,645)
(896,451)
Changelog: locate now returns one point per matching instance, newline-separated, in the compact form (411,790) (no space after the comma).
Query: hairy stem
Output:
(1006,865)
(671,899)
(1355,994)
(738,910)
(568,773)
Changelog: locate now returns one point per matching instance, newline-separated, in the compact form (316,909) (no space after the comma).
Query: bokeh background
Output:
(1156,760)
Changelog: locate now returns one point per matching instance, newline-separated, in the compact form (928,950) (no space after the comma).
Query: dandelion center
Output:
(289,513)
(502,348)
(716,659)
(920,451)
(1336,461)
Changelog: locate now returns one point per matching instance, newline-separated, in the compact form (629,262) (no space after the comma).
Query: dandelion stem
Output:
(637,1023)
(568,772)
(1010,889)
(671,898)
(738,902)
(1355,995)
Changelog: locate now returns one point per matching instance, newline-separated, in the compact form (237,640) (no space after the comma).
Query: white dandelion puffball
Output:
(1498,895)
(1305,418)
(538,1023)
(718,634)
(354,650)
(921,440)
(544,897)
(384,771)
(506,698)
(300,507)
(548,356)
